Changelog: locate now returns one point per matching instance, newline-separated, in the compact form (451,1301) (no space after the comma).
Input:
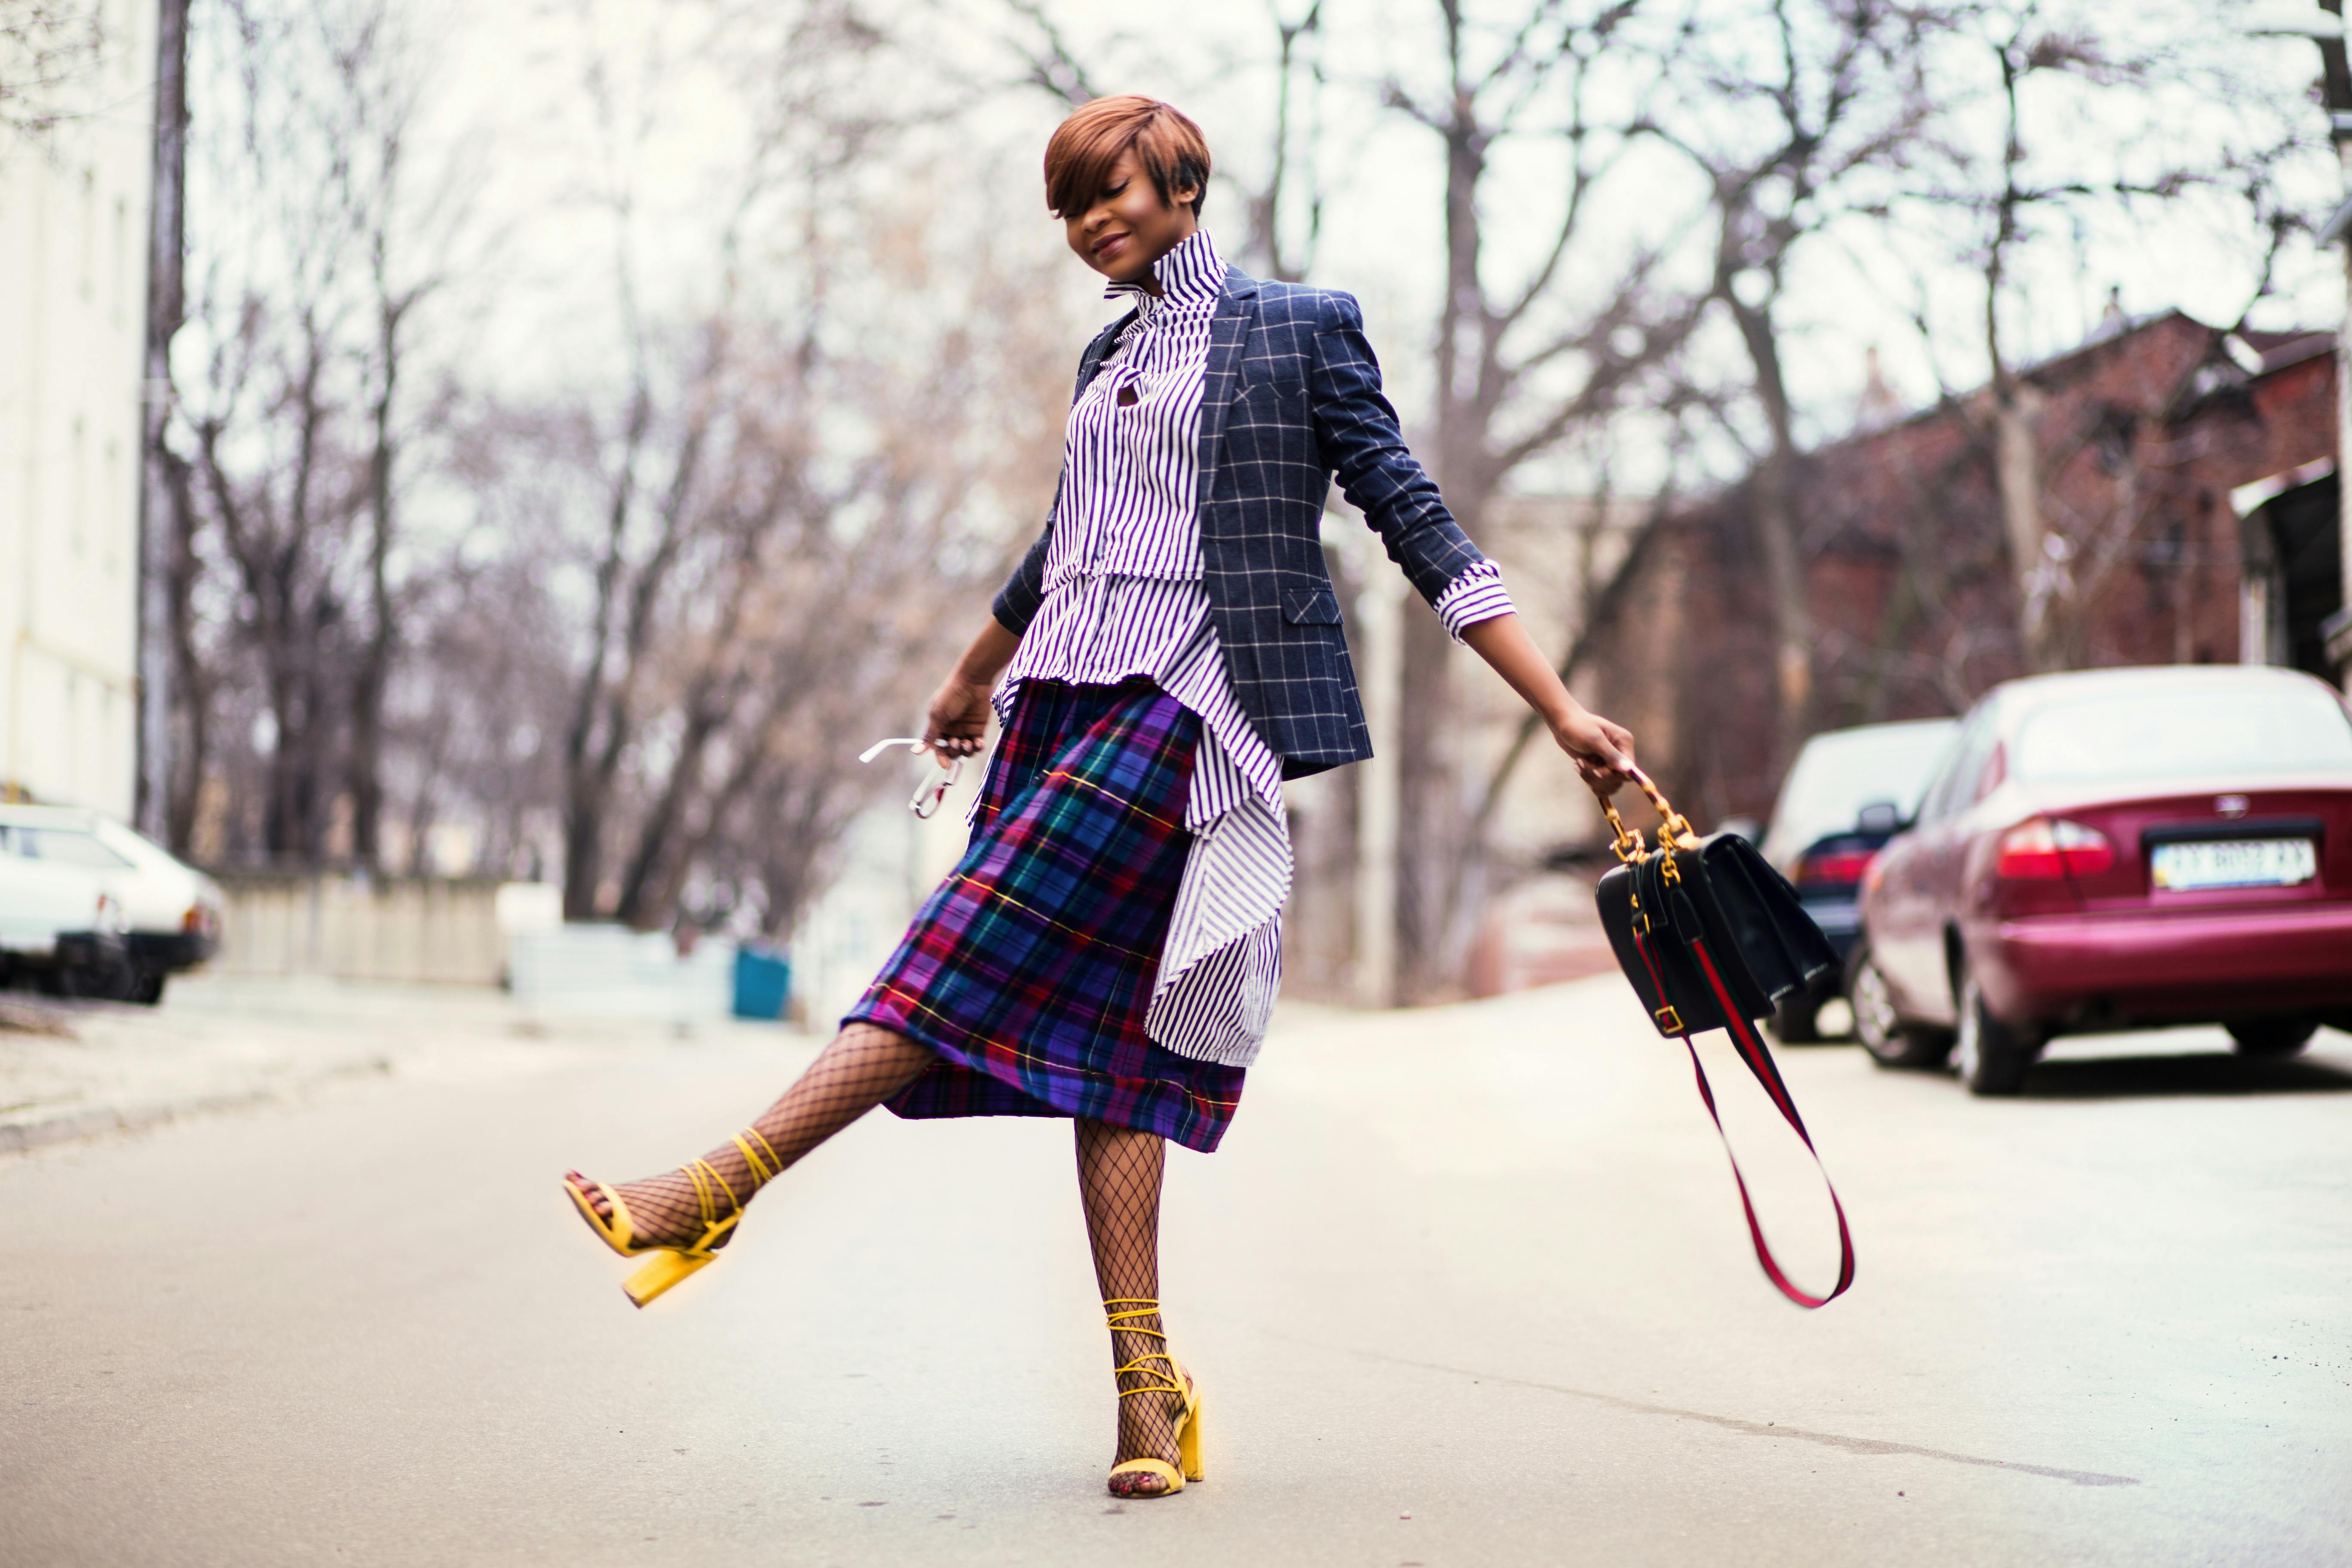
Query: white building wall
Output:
(73,290)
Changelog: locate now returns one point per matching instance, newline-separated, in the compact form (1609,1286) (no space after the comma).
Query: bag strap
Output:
(1767,1073)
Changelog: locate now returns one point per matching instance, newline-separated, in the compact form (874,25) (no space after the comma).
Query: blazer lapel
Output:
(1097,352)
(1228,330)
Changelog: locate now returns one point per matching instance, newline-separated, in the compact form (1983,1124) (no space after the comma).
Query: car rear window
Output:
(61,847)
(2208,729)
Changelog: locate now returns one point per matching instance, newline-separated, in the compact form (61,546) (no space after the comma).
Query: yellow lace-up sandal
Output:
(1173,1380)
(671,1264)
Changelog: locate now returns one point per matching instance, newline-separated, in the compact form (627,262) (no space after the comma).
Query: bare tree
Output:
(46,46)
(781,518)
(1522,365)
(1795,114)
(2035,75)
(285,442)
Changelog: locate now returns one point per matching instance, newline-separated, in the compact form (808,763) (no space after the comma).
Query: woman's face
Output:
(1127,227)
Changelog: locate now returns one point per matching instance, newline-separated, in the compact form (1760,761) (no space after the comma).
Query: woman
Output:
(1168,651)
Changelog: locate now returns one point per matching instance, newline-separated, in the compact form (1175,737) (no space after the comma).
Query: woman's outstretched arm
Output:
(1599,747)
(957,720)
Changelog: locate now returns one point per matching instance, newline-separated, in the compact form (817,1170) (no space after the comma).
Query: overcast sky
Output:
(511,86)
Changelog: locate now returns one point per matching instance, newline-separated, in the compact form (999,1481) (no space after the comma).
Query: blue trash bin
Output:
(763,982)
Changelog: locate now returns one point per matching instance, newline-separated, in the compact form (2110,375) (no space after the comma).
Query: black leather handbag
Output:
(1713,938)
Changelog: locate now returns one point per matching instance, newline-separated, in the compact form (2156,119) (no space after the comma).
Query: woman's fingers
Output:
(957,723)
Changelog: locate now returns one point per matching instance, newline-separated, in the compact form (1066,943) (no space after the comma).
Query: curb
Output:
(21,1136)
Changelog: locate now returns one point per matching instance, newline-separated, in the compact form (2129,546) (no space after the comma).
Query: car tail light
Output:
(1840,867)
(2039,849)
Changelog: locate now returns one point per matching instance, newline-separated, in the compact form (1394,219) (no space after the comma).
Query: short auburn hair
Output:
(1079,159)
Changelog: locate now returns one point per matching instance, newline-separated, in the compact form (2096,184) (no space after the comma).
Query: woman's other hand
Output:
(957,722)
(1599,747)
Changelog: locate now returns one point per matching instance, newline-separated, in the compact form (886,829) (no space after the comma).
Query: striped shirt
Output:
(1124,597)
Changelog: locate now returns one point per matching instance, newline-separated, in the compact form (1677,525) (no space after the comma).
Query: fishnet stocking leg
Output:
(1119,1173)
(862,1067)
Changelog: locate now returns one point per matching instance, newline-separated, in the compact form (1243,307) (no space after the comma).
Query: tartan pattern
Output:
(1293,395)
(1030,969)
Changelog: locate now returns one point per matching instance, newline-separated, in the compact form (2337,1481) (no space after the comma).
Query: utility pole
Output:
(167,241)
(1380,627)
(2326,29)
(2336,78)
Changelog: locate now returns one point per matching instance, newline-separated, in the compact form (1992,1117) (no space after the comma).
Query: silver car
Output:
(171,912)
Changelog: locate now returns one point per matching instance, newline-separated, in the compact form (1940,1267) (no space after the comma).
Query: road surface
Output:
(1467,1285)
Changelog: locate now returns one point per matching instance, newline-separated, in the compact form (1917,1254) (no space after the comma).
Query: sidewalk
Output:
(82,1070)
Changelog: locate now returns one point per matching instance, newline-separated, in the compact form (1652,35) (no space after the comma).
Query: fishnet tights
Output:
(1118,1181)
(862,1067)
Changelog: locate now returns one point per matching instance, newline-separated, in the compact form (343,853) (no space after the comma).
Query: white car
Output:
(171,912)
(62,928)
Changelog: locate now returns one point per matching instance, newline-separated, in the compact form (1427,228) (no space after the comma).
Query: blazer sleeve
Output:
(1363,445)
(1016,602)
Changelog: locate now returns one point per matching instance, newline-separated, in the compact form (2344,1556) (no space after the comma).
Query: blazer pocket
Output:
(1310,607)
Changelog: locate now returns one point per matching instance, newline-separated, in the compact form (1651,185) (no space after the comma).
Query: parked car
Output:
(61,931)
(1846,794)
(171,911)
(2121,849)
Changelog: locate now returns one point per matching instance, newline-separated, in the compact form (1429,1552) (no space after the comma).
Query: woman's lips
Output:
(1108,247)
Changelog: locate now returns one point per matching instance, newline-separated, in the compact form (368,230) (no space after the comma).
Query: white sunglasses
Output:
(927,799)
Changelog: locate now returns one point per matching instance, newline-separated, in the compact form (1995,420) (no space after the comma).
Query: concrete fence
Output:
(350,928)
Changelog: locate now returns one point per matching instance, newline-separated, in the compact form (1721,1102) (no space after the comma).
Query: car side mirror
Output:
(1879,816)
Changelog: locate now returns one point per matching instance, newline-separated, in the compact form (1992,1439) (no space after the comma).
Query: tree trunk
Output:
(163,520)
(1429,815)
(2016,476)
(366,773)
(1773,504)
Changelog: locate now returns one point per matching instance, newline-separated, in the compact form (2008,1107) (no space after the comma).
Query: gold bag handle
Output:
(1674,830)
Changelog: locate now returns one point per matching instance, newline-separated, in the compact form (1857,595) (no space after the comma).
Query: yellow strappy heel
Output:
(671,1264)
(1174,1380)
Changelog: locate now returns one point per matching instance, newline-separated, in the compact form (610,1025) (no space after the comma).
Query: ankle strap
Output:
(707,1187)
(1119,1309)
(761,1173)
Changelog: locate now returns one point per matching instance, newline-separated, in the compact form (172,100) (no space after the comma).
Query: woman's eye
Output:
(1115,191)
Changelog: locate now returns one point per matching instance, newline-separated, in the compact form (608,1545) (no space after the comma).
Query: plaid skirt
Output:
(1029,970)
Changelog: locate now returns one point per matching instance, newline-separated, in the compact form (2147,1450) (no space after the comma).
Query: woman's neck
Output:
(1150,281)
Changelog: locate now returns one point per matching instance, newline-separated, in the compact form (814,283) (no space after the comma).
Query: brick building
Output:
(2190,488)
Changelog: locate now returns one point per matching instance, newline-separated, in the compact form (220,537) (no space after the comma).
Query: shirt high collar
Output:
(1192,274)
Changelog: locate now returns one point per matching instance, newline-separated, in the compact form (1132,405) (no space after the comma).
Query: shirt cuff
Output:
(1477,594)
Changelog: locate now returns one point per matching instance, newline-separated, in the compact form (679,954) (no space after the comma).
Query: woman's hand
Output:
(956,723)
(957,720)
(1599,747)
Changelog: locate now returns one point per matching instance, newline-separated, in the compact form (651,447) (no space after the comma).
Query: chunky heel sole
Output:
(1188,1444)
(664,1269)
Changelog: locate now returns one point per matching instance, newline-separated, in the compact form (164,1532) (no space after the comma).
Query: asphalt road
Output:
(1465,1287)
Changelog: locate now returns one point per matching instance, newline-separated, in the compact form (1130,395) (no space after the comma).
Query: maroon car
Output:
(2118,848)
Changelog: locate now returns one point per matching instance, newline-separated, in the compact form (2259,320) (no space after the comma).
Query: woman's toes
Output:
(589,1193)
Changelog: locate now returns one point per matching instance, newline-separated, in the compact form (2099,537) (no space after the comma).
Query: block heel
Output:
(669,1264)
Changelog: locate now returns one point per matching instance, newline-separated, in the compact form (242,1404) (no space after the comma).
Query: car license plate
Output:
(2234,863)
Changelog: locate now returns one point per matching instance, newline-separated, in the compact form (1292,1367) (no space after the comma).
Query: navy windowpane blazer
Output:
(1292,396)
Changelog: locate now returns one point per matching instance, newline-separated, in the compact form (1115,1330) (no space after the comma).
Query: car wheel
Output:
(1993,1055)
(1891,1042)
(111,984)
(2273,1037)
(1795,1020)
